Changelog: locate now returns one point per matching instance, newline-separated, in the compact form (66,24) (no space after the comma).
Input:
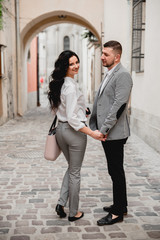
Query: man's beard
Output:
(109,65)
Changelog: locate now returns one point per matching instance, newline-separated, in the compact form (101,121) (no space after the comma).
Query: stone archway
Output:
(42,22)
(33,27)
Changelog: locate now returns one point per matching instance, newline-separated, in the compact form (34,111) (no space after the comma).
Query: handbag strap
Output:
(53,123)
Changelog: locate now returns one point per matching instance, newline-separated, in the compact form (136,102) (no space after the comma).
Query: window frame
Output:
(2,61)
(66,45)
(138,35)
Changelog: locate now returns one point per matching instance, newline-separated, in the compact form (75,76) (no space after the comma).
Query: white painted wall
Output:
(145,94)
(145,118)
(9,81)
(91,11)
(152,58)
(42,55)
(117,26)
(145,98)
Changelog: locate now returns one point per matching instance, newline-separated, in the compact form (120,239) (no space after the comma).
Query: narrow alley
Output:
(29,187)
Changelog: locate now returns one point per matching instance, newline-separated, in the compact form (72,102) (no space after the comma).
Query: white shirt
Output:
(107,74)
(72,107)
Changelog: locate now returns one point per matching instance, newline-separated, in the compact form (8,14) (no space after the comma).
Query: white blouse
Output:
(72,107)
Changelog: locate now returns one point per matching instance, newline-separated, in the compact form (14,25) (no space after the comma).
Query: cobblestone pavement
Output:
(29,187)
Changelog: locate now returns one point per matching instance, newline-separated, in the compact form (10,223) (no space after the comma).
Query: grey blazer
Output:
(109,113)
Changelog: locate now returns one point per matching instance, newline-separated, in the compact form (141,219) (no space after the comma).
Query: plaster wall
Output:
(145,117)
(89,11)
(32,75)
(42,56)
(117,26)
(8,81)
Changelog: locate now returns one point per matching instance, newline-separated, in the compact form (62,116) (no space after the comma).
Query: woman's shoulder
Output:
(69,86)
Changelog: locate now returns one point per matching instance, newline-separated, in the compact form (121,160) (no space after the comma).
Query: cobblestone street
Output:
(30,185)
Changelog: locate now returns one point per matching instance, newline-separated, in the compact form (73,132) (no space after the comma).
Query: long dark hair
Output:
(57,78)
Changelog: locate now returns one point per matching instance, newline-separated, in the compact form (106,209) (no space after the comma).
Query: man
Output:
(109,116)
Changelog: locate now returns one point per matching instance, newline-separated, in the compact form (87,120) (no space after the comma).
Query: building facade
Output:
(52,41)
(32,75)
(136,25)
(145,112)
(8,82)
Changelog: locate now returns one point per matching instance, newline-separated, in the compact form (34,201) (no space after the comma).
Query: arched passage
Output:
(56,17)
(34,27)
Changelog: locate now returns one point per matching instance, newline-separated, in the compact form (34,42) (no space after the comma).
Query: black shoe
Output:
(60,211)
(108,209)
(108,220)
(72,219)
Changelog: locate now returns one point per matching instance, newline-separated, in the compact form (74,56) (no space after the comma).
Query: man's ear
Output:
(117,57)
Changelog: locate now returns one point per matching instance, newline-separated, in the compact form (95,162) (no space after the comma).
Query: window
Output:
(2,69)
(66,43)
(138,32)
(29,56)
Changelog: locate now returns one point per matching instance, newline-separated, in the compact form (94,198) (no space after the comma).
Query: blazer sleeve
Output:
(93,118)
(122,92)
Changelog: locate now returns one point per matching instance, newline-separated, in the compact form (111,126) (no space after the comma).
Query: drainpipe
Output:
(102,36)
(17,28)
(38,94)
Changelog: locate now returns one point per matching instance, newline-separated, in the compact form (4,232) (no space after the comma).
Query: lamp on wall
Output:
(62,16)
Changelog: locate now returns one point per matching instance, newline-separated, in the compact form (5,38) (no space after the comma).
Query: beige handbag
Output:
(52,150)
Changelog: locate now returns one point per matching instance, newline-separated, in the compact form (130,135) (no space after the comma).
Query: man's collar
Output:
(109,72)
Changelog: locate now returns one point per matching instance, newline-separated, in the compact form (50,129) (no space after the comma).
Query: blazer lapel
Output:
(101,84)
(109,78)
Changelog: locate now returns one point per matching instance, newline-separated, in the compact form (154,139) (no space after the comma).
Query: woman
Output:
(68,103)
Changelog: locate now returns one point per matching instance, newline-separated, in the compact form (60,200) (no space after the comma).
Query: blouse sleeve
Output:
(71,111)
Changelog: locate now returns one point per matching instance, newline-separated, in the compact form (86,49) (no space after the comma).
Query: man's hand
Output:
(98,135)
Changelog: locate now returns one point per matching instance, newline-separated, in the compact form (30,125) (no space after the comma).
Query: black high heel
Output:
(72,219)
(60,211)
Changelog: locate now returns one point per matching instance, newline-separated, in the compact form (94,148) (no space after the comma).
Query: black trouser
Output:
(114,151)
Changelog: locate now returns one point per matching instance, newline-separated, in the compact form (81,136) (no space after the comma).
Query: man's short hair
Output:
(114,45)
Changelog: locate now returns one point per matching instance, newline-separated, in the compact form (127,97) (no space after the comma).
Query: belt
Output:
(67,122)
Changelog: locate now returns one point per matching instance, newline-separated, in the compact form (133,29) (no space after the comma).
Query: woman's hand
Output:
(98,135)
(94,134)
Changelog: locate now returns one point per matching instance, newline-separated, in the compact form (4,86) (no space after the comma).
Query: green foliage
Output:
(90,36)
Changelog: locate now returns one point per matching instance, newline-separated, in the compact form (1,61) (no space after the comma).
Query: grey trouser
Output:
(73,145)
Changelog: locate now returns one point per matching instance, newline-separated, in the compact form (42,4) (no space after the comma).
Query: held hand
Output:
(106,136)
(98,135)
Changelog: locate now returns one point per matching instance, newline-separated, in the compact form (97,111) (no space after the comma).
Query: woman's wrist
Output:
(87,131)
(90,133)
